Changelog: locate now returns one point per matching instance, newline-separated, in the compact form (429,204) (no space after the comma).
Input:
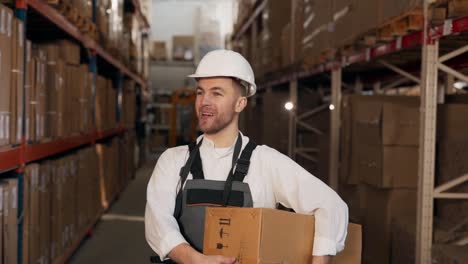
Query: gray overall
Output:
(198,193)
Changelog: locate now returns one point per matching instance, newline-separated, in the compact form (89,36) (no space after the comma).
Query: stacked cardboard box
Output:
(381,157)
(276,16)
(84,8)
(62,198)
(379,170)
(67,88)
(320,28)
(5,73)
(183,48)
(17,81)
(129,104)
(9,209)
(38,95)
(159,50)
(105,104)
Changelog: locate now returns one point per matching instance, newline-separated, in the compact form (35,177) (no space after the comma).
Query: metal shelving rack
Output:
(431,63)
(16,158)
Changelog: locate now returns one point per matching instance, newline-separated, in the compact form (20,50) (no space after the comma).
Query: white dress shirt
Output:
(273,178)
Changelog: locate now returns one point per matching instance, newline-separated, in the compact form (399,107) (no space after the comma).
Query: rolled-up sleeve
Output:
(296,188)
(161,229)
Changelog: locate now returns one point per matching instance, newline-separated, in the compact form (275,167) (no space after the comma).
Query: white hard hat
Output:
(227,63)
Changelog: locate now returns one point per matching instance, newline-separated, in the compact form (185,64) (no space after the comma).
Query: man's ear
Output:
(241,104)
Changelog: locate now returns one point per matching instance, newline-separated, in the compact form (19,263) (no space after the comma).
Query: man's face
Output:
(218,103)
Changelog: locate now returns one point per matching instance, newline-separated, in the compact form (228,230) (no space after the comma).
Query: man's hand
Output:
(185,254)
(321,259)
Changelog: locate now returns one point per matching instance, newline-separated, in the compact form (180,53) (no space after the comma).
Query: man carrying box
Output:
(225,168)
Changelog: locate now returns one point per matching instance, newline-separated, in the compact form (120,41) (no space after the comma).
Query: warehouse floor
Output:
(120,235)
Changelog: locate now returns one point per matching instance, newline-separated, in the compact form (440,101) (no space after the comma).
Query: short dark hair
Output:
(241,85)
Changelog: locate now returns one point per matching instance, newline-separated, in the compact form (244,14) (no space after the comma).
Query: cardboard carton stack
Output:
(379,167)
(320,29)
(60,86)
(129,104)
(62,198)
(17,82)
(379,170)
(6,30)
(9,211)
(105,104)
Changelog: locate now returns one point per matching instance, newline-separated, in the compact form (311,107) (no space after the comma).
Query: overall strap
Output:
(184,172)
(197,168)
(243,163)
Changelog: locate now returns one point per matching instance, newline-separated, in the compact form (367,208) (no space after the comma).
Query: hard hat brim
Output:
(251,90)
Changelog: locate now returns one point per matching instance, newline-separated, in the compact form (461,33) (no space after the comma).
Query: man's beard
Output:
(218,124)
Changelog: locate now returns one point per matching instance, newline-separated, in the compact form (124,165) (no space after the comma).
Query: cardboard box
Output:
(69,52)
(6,16)
(10,230)
(390,9)
(386,121)
(257,235)
(451,122)
(252,235)
(159,51)
(19,85)
(317,26)
(183,47)
(382,206)
(14,76)
(388,166)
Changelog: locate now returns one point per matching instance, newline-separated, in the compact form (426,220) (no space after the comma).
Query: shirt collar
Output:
(209,144)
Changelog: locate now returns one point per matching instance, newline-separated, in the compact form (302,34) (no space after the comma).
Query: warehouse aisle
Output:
(119,237)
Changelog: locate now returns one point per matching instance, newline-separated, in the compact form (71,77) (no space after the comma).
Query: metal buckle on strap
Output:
(242,166)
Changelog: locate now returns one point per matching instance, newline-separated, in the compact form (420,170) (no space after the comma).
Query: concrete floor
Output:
(119,237)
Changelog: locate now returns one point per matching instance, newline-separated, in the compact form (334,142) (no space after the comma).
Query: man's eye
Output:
(199,92)
(217,94)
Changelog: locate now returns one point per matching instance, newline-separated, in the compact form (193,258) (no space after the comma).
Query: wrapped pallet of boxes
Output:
(5,74)
(255,235)
(183,48)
